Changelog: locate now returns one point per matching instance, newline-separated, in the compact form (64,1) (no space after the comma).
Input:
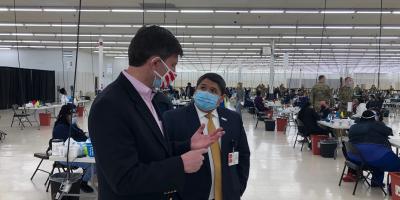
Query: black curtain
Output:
(19,86)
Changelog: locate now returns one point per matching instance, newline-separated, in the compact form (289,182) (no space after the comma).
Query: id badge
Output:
(233,158)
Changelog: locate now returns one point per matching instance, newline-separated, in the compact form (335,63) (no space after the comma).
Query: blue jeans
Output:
(87,167)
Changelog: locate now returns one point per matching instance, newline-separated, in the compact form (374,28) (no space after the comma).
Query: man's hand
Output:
(193,160)
(201,141)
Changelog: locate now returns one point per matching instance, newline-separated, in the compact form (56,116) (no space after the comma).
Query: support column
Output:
(101,65)
(272,68)
(285,68)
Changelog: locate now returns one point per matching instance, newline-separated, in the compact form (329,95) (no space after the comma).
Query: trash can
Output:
(328,148)
(269,125)
(315,142)
(395,185)
(80,110)
(58,178)
(44,119)
(281,124)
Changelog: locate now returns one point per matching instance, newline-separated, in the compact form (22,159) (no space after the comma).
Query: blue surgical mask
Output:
(205,101)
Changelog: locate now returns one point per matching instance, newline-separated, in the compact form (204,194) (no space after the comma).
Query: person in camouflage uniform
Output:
(357,91)
(345,94)
(373,89)
(320,92)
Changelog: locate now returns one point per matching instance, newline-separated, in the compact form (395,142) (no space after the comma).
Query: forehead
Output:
(209,83)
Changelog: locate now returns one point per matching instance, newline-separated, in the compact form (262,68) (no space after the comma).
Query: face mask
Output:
(205,101)
(165,80)
(74,120)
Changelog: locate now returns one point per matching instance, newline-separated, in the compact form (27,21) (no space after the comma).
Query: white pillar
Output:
(272,68)
(101,65)
(300,78)
(240,72)
(285,68)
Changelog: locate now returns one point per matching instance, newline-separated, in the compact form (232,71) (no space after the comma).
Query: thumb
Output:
(202,151)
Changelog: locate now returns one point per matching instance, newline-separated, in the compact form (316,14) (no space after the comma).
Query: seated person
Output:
(371,137)
(64,124)
(259,103)
(310,119)
(325,110)
(372,103)
(362,106)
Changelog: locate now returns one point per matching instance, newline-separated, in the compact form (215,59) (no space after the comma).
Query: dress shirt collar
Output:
(144,91)
(204,114)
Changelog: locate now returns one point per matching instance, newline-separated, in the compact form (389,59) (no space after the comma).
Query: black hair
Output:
(63,91)
(368,115)
(152,41)
(321,77)
(361,100)
(258,93)
(190,84)
(216,78)
(65,110)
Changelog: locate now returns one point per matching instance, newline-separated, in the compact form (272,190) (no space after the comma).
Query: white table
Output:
(395,142)
(344,125)
(86,159)
(45,108)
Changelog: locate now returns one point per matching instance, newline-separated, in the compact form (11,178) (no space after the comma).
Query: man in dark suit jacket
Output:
(189,91)
(180,124)
(133,153)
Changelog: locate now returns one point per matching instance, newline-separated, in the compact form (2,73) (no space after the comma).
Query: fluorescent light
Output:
(38,25)
(173,26)
(226,26)
(64,25)
(197,11)
(310,27)
(5,48)
(266,11)
(301,11)
(26,9)
(10,24)
(391,27)
(201,36)
(339,37)
(110,35)
(396,12)
(283,27)
(366,27)
(246,37)
(22,34)
(232,11)
(95,10)
(3,9)
(91,25)
(120,57)
(362,37)
(269,37)
(292,37)
(162,11)
(58,10)
(339,27)
(190,26)
(44,34)
(221,44)
(373,12)
(254,27)
(118,25)
(66,35)
(337,11)
(224,37)
(128,10)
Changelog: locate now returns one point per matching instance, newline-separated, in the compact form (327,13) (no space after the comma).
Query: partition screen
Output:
(19,86)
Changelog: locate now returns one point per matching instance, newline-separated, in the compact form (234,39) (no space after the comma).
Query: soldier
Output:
(320,92)
(346,94)
(373,89)
(357,91)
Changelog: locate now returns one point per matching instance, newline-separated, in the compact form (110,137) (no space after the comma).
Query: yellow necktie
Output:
(216,156)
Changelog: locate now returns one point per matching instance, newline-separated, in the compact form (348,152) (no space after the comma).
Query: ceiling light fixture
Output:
(266,11)
(231,11)
(197,11)
(127,10)
(58,10)
(162,11)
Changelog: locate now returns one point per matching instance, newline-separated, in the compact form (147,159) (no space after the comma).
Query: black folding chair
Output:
(301,131)
(359,168)
(22,117)
(260,116)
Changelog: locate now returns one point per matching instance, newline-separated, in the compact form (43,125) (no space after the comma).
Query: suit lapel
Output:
(143,110)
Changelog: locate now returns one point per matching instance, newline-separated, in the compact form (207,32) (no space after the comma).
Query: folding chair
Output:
(359,168)
(301,131)
(260,116)
(21,117)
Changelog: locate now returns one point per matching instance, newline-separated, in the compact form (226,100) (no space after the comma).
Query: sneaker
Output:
(349,178)
(85,187)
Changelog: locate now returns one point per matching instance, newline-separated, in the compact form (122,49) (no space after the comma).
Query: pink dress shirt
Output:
(147,95)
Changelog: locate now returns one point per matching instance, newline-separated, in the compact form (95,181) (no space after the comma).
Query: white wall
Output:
(52,60)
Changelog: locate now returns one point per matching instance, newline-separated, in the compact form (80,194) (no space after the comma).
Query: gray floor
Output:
(277,170)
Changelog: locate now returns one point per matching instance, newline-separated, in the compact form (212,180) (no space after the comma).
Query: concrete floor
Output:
(277,170)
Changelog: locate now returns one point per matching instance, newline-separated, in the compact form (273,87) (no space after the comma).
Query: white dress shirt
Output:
(204,120)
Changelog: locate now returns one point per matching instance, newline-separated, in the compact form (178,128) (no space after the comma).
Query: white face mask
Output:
(165,80)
